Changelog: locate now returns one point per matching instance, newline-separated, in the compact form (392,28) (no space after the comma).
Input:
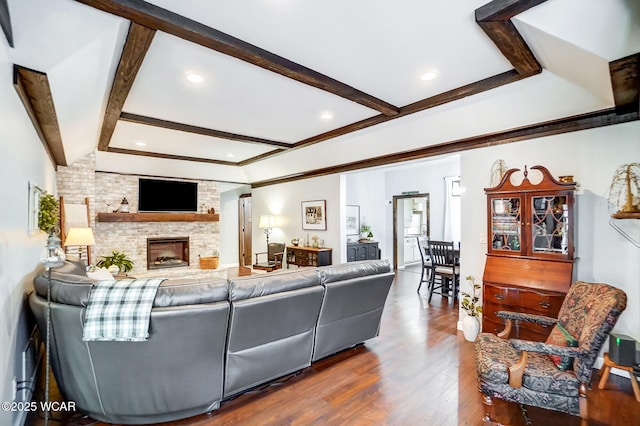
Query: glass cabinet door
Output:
(549,224)
(505,224)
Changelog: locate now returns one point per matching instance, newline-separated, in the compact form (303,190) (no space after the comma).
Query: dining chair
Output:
(445,269)
(427,264)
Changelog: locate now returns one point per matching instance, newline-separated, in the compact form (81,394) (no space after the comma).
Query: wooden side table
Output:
(607,368)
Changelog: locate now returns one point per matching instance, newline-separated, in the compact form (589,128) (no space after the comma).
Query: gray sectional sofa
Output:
(209,339)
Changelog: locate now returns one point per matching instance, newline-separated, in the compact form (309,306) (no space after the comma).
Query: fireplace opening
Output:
(167,252)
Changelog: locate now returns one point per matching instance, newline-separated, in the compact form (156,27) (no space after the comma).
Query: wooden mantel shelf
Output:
(157,217)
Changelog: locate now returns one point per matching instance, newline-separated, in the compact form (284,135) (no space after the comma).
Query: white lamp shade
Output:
(266,221)
(80,237)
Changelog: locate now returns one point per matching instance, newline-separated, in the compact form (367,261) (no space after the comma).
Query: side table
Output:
(607,368)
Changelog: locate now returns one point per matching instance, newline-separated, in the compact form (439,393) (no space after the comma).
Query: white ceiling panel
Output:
(165,141)
(234,96)
(380,47)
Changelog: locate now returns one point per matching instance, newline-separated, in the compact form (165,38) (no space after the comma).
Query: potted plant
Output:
(471,305)
(365,232)
(118,260)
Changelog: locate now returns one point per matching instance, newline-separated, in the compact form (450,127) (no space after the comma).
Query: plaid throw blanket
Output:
(120,310)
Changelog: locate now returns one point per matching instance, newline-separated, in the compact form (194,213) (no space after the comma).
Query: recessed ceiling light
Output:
(429,75)
(194,77)
(326,115)
(230,155)
(141,143)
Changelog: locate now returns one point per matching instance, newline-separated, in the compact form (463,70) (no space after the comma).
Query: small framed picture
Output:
(353,220)
(314,215)
(34,208)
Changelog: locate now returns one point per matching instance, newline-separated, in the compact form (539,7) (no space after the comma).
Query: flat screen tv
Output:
(155,195)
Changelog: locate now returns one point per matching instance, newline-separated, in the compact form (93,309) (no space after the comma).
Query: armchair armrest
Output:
(546,348)
(260,252)
(538,319)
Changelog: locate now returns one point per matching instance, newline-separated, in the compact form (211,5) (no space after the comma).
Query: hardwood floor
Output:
(419,371)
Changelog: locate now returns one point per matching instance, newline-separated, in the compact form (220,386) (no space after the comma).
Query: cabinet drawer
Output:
(547,304)
(501,295)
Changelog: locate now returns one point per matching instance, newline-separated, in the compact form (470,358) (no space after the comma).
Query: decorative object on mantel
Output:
(124,206)
(624,192)
(211,211)
(498,169)
(52,257)
(470,304)
(119,260)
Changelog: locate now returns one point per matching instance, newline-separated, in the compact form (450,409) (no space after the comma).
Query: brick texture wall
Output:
(105,192)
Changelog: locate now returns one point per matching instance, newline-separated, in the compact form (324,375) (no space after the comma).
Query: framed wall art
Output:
(314,215)
(353,220)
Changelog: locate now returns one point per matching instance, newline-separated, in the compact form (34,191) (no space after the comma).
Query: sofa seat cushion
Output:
(265,284)
(494,356)
(74,290)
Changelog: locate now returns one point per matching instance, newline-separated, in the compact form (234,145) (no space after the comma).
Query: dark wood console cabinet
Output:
(362,251)
(308,256)
(529,265)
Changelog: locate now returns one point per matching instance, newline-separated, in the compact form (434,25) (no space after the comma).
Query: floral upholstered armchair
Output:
(555,374)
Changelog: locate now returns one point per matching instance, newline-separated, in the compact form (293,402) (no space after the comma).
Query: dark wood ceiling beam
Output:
(569,124)
(433,101)
(495,20)
(625,81)
(181,127)
(180,26)
(135,48)
(169,156)
(5,22)
(35,93)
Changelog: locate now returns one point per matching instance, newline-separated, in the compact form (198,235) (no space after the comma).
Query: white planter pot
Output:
(470,328)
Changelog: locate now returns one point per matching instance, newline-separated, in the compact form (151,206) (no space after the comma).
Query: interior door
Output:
(244,229)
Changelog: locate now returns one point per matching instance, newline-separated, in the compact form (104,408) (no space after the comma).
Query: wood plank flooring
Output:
(419,371)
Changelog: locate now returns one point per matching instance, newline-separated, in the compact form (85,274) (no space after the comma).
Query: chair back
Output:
(423,247)
(441,252)
(589,313)
(273,249)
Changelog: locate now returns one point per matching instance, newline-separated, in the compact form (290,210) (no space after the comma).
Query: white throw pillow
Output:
(100,274)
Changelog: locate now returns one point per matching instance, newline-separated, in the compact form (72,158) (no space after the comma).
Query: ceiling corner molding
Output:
(135,48)
(495,20)
(155,17)
(5,22)
(625,81)
(35,93)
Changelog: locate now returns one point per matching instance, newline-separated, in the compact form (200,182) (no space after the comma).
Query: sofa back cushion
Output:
(271,283)
(73,289)
(346,271)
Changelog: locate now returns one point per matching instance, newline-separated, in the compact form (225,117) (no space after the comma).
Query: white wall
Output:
(591,156)
(284,201)
(19,252)
(373,191)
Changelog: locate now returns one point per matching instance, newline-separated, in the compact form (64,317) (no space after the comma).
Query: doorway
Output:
(244,230)
(410,220)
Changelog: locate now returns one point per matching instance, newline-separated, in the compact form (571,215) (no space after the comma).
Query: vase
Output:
(470,328)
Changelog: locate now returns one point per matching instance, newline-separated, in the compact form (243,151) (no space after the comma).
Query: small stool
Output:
(607,368)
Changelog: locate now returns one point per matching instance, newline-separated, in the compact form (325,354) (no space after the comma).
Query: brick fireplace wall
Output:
(105,192)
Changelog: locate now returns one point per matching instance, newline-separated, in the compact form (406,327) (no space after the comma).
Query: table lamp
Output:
(80,237)
(266,223)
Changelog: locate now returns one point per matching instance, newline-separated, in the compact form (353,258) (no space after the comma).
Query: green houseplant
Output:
(471,305)
(116,258)
(48,213)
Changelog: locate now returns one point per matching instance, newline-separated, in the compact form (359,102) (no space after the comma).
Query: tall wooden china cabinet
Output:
(530,259)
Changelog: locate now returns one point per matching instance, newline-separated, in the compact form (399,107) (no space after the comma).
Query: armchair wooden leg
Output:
(488,405)
(582,401)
